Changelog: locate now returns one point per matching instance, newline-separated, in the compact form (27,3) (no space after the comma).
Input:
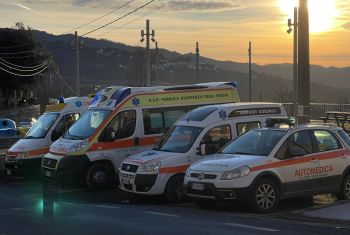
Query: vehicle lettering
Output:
(313,171)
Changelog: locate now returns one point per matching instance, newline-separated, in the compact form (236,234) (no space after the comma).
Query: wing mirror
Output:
(203,149)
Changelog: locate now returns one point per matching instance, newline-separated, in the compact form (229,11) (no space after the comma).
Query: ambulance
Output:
(26,154)
(123,121)
(268,164)
(200,132)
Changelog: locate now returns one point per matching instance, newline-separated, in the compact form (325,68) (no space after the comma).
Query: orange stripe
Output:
(174,169)
(31,153)
(122,144)
(300,160)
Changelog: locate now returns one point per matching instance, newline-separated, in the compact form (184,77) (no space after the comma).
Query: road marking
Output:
(252,227)
(161,214)
(109,207)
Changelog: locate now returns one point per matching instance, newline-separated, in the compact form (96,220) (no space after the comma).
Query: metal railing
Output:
(319,109)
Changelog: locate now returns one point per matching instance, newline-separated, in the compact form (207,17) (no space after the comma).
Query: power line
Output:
(134,20)
(15,53)
(24,75)
(131,12)
(24,70)
(94,20)
(18,57)
(10,47)
(23,67)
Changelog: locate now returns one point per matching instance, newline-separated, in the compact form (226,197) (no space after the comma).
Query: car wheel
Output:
(265,196)
(99,177)
(174,191)
(345,189)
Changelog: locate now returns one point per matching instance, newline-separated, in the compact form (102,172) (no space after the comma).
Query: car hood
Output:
(226,162)
(62,145)
(150,155)
(28,145)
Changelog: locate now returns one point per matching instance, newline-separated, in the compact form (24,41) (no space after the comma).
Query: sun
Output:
(322,13)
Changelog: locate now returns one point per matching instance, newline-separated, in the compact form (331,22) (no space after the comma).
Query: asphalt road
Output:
(28,207)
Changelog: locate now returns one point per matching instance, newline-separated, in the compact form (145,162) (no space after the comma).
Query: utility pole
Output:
(148,50)
(250,71)
(157,65)
(295,59)
(197,62)
(76,44)
(303,63)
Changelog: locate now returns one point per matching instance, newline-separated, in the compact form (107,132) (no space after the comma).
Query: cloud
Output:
(347,25)
(202,5)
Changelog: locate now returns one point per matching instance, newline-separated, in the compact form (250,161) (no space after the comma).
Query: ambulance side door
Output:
(213,139)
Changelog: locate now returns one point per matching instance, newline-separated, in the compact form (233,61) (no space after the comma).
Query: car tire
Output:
(174,191)
(345,189)
(265,196)
(99,177)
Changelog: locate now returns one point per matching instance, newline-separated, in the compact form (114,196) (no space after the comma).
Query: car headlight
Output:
(21,156)
(188,172)
(151,167)
(236,173)
(78,146)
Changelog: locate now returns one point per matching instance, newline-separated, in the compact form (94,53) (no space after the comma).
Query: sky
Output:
(223,28)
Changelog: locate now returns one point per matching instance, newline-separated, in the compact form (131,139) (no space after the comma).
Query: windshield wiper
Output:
(239,153)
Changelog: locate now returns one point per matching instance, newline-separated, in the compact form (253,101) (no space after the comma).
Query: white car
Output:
(268,164)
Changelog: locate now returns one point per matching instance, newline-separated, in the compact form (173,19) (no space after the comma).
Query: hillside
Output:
(106,63)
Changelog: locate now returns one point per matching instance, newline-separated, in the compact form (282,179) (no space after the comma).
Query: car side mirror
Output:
(203,149)
(55,135)
(296,152)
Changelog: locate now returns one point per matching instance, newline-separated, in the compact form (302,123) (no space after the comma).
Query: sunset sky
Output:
(223,27)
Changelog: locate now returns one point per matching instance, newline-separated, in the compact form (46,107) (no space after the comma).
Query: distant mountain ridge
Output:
(105,62)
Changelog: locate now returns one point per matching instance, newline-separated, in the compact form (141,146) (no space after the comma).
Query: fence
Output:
(319,109)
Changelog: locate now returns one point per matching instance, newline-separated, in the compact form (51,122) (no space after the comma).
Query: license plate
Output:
(196,186)
(8,172)
(126,181)
(48,173)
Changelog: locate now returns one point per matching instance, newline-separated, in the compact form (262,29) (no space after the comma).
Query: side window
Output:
(344,136)
(297,145)
(326,141)
(158,121)
(244,127)
(122,126)
(216,138)
(63,125)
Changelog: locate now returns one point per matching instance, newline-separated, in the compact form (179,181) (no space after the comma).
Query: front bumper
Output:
(23,166)
(64,168)
(147,184)
(205,190)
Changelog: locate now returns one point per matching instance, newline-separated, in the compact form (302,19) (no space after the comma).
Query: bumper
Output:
(146,184)
(209,191)
(23,166)
(65,168)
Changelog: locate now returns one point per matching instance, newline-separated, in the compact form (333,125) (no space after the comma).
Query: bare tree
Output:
(283,95)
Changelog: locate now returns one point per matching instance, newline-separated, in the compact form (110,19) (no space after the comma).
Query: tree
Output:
(20,55)
(283,95)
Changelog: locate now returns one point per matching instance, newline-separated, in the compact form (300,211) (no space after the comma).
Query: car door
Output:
(298,164)
(332,157)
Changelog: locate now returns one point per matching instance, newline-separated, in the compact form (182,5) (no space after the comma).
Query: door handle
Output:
(314,160)
(136,141)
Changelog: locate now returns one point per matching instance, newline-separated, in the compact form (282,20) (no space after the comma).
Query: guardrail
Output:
(319,109)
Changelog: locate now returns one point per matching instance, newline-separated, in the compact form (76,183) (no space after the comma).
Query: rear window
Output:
(199,114)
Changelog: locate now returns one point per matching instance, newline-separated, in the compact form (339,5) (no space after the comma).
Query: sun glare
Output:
(322,13)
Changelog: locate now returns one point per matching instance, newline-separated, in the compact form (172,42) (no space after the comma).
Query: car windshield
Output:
(255,142)
(87,124)
(42,126)
(178,139)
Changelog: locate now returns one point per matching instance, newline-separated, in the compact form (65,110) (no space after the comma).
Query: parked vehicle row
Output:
(196,140)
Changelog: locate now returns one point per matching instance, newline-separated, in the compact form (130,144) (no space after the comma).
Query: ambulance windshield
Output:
(256,142)
(42,126)
(179,139)
(86,125)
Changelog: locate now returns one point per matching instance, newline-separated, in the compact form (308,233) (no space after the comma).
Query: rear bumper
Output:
(210,192)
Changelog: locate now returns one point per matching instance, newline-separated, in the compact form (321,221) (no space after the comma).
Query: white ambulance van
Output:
(26,154)
(268,164)
(121,122)
(200,132)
